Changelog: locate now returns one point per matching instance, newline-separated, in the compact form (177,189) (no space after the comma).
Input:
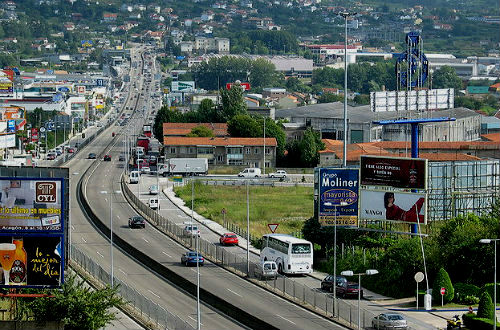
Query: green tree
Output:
(486,309)
(362,99)
(78,306)
(165,115)
(309,147)
(262,73)
(446,77)
(201,131)
(330,97)
(232,102)
(207,112)
(243,125)
(442,280)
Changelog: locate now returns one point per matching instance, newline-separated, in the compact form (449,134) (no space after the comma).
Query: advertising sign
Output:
(244,86)
(7,113)
(409,173)
(8,73)
(87,43)
(80,89)
(392,206)
(63,89)
(6,87)
(8,140)
(31,204)
(100,82)
(418,100)
(11,126)
(338,192)
(34,134)
(31,261)
(182,86)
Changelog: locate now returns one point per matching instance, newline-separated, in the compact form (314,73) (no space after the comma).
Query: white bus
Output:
(292,255)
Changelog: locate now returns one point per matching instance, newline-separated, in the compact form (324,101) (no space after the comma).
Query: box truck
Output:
(183,166)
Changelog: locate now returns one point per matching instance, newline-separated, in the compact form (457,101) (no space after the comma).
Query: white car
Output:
(278,174)
(153,190)
(154,203)
(145,169)
(191,229)
(389,321)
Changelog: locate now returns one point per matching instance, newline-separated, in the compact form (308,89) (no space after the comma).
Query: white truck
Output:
(183,166)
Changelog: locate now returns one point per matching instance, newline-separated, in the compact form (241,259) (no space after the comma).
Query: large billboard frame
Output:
(343,196)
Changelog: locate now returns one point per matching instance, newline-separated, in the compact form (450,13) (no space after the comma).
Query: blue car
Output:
(191,257)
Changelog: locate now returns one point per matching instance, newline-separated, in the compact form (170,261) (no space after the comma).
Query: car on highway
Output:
(92,156)
(266,270)
(145,169)
(389,321)
(191,229)
(192,258)
(327,283)
(107,158)
(70,150)
(278,174)
(121,158)
(349,289)
(51,156)
(154,203)
(136,222)
(153,190)
(228,239)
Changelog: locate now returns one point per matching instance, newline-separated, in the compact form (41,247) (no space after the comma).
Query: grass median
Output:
(287,206)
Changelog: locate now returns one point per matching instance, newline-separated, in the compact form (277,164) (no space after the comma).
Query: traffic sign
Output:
(273,227)
(443,291)
(223,211)
(419,277)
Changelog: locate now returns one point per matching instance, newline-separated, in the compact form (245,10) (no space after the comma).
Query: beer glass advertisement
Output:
(409,173)
(31,261)
(31,204)
(392,206)
(338,202)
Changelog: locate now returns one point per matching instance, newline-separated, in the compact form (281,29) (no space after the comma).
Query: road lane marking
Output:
(165,253)
(145,240)
(122,271)
(72,227)
(235,293)
(194,319)
(285,319)
(83,239)
(154,294)
(99,253)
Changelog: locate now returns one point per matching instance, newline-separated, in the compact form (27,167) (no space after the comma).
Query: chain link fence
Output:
(312,298)
(147,308)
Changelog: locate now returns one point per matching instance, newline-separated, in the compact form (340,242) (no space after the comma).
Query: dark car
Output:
(327,283)
(121,158)
(107,158)
(349,289)
(137,222)
(191,258)
(92,156)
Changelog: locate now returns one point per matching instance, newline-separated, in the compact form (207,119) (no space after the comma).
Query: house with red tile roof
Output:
(223,150)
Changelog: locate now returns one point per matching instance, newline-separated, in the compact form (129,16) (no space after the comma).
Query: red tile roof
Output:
(217,141)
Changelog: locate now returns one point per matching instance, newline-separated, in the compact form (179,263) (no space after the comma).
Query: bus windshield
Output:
(301,248)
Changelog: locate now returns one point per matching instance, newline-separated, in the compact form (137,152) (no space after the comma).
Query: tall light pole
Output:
(334,287)
(351,273)
(111,230)
(264,145)
(198,314)
(488,241)
(345,15)
(248,232)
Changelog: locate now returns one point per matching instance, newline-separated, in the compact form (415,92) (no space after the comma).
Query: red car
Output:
(107,158)
(228,238)
(349,289)
(71,150)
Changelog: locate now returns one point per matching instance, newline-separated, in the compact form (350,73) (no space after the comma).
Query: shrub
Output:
(473,322)
(442,280)
(465,293)
(486,309)
(489,288)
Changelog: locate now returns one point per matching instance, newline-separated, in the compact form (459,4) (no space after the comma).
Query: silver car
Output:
(266,270)
(389,321)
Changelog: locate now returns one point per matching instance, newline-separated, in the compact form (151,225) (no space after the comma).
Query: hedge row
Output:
(472,322)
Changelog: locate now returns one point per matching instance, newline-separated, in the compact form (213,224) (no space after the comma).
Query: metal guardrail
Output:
(312,298)
(154,312)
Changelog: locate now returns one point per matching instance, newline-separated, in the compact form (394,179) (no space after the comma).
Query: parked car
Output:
(266,270)
(107,158)
(145,169)
(191,258)
(228,238)
(71,150)
(153,190)
(51,156)
(389,321)
(92,156)
(348,289)
(121,158)
(327,283)
(136,222)
(278,174)
(191,229)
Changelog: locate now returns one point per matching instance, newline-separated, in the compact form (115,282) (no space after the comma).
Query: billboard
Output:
(8,140)
(7,73)
(34,134)
(338,189)
(7,113)
(6,87)
(11,126)
(397,206)
(182,86)
(417,100)
(31,204)
(31,261)
(87,43)
(398,172)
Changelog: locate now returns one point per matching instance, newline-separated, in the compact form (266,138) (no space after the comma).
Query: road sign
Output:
(223,211)
(419,277)
(443,291)
(42,129)
(273,227)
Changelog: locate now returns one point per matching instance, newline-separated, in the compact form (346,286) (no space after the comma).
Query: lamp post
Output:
(111,230)
(351,273)
(248,232)
(335,255)
(488,241)
(345,15)
(198,314)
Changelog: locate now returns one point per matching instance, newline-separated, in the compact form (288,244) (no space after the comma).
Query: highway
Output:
(93,244)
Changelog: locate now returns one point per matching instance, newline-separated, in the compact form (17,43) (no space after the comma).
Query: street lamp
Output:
(351,273)
(345,15)
(488,241)
(335,254)
(198,314)
(111,229)
(248,231)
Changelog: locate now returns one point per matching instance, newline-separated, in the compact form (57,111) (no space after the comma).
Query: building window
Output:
(235,162)
(268,151)
(256,151)
(248,151)
(220,159)
(172,150)
(205,150)
(191,150)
